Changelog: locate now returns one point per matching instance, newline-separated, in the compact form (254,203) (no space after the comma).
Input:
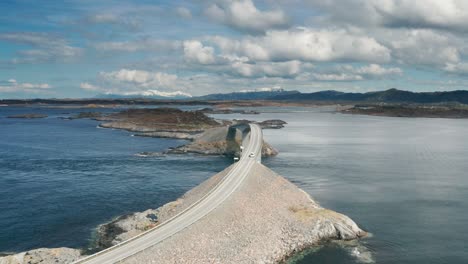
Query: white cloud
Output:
(351,73)
(157,93)
(377,70)
(439,14)
(337,77)
(89,87)
(424,47)
(267,69)
(141,78)
(244,15)
(194,51)
(457,68)
(446,14)
(263,89)
(138,83)
(306,44)
(13,86)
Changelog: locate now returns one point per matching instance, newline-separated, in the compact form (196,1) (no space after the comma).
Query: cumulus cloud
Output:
(457,68)
(13,86)
(351,73)
(424,47)
(138,83)
(47,47)
(141,78)
(244,15)
(446,14)
(375,70)
(336,77)
(306,44)
(89,87)
(194,51)
(287,69)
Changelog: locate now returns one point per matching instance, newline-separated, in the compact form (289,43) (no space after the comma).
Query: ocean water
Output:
(60,179)
(405,180)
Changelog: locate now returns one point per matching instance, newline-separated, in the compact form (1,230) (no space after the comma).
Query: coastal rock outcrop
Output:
(225,140)
(128,226)
(207,135)
(266,220)
(43,256)
(159,119)
(28,116)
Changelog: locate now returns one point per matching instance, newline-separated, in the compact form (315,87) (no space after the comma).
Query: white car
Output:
(251,155)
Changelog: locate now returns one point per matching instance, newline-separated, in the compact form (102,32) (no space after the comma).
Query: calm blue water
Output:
(60,179)
(405,180)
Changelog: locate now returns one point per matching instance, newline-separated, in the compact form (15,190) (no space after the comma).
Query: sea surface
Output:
(405,180)
(60,179)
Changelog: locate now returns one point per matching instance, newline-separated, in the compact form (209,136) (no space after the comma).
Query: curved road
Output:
(193,213)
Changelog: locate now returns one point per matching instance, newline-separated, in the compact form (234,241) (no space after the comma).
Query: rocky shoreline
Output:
(206,135)
(410,110)
(266,220)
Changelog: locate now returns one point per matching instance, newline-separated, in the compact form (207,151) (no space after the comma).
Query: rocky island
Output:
(28,116)
(410,110)
(206,135)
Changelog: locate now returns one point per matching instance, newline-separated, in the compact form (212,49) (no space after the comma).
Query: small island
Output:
(28,116)
(410,110)
(205,135)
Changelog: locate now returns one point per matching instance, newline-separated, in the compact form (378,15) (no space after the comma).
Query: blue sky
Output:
(81,48)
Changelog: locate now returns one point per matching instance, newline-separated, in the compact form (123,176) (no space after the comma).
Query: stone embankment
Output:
(265,221)
(43,256)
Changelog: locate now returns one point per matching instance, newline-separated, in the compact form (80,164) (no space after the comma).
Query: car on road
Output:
(251,155)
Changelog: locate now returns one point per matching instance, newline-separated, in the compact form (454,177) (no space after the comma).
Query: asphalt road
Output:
(192,214)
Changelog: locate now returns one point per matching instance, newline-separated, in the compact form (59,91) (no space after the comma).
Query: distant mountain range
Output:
(247,95)
(150,94)
(388,96)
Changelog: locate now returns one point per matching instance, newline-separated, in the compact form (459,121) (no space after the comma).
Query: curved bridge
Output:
(228,185)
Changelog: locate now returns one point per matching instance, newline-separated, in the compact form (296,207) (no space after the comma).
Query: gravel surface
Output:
(266,220)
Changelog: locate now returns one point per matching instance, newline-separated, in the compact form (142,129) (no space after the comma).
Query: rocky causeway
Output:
(266,220)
